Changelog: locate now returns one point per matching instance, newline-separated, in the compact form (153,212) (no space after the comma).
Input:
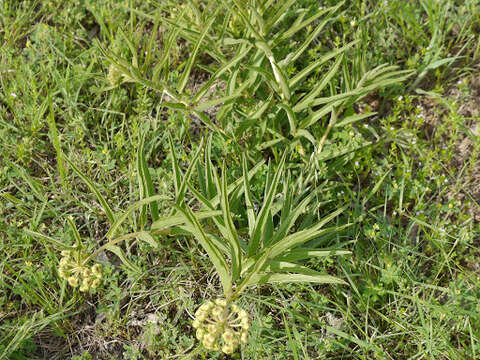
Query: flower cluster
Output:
(114,76)
(221,326)
(72,269)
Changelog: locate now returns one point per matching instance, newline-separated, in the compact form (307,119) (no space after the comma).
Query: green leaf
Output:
(295,278)
(435,64)
(308,99)
(121,255)
(177,173)
(307,70)
(306,253)
(170,221)
(248,197)
(56,243)
(224,68)
(184,77)
(303,236)
(354,118)
(94,189)
(146,237)
(261,220)
(120,219)
(313,35)
(317,115)
(145,180)
(232,235)
(76,234)
(214,254)
(186,178)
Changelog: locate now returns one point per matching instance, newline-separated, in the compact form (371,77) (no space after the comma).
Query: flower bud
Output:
(242,314)
(202,316)
(114,75)
(86,273)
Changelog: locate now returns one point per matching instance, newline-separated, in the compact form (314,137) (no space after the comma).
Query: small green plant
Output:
(279,235)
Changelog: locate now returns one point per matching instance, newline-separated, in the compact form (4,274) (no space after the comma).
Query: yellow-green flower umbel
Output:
(73,269)
(220,325)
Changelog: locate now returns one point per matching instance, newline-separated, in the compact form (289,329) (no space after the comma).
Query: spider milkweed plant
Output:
(276,238)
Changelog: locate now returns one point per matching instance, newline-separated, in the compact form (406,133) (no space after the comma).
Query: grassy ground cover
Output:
(316,164)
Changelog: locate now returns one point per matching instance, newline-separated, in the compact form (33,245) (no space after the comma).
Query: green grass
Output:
(104,104)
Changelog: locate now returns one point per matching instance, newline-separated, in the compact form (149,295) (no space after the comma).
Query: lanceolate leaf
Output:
(168,222)
(184,78)
(248,198)
(94,189)
(145,180)
(56,243)
(119,221)
(306,235)
(213,252)
(302,254)
(261,221)
(295,278)
(232,235)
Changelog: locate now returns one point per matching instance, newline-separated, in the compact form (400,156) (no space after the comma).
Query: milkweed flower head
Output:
(221,326)
(78,274)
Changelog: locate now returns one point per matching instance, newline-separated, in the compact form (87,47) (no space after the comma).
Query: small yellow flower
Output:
(217,311)
(244,324)
(96,283)
(212,328)
(196,323)
(200,333)
(228,349)
(221,302)
(73,281)
(227,336)
(244,337)
(85,285)
(208,340)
